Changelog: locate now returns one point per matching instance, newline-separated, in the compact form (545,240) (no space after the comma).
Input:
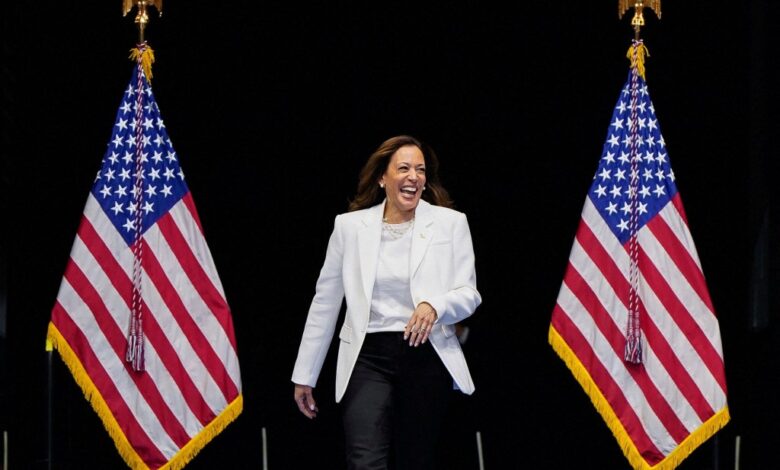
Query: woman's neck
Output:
(396,217)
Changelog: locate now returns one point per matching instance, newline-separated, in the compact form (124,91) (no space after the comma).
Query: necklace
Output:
(396,231)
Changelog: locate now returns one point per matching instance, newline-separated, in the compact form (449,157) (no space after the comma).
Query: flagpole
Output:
(50,401)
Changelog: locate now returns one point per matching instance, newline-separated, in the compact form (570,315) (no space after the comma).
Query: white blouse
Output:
(391,300)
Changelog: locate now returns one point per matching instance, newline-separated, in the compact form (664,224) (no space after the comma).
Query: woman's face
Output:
(403,180)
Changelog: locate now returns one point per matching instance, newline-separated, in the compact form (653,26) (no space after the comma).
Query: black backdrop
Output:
(273,107)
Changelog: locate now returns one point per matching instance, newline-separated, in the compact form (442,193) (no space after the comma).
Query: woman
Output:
(404,261)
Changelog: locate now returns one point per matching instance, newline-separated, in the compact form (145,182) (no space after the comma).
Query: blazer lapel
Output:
(421,235)
(368,238)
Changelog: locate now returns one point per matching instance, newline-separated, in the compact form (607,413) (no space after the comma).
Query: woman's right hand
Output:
(305,401)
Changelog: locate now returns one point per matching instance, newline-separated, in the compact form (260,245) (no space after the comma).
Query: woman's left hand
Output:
(421,324)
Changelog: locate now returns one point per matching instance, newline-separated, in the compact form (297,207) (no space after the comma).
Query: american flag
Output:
(673,398)
(140,209)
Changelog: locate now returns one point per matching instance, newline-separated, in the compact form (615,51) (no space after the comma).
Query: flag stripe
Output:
(185,216)
(141,390)
(104,257)
(603,380)
(109,392)
(646,395)
(682,250)
(198,277)
(682,377)
(682,317)
(200,343)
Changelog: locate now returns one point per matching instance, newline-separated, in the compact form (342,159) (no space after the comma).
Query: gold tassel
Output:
(636,54)
(146,57)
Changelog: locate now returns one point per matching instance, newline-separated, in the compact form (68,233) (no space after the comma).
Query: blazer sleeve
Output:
(323,312)
(462,299)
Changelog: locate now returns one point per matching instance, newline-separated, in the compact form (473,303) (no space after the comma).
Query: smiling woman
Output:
(406,269)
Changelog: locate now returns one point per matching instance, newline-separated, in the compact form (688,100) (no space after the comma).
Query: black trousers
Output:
(394,405)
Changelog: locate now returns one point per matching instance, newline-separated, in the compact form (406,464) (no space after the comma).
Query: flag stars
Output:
(125,174)
(130,140)
(117,141)
(171,157)
(159,123)
(600,191)
(659,190)
(621,107)
(117,208)
(106,191)
(662,142)
(120,191)
(659,174)
(611,208)
(109,174)
(626,208)
(166,190)
(181,174)
(132,207)
(168,174)
(147,208)
(624,158)
(125,107)
(148,124)
(671,174)
(129,92)
(645,191)
(113,158)
(615,191)
(609,157)
(618,124)
(649,156)
(121,124)
(623,225)
(652,124)
(613,140)
(134,192)
(129,225)
(154,174)
(661,158)
(605,174)
(157,157)
(620,174)
(641,208)
(151,190)
(128,158)
(159,140)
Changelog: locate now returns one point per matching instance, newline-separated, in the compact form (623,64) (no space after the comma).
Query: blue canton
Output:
(610,192)
(163,180)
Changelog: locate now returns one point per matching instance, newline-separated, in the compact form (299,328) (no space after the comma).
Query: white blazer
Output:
(441,273)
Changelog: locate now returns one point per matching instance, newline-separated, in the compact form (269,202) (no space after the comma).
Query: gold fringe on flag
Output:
(126,451)
(636,54)
(635,459)
(144,55)
(94,398)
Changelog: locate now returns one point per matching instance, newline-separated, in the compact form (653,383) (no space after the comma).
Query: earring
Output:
(382,185)
(424,188)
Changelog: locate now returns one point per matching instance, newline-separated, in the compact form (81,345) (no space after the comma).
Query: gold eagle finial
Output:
(638,20)
(141,18)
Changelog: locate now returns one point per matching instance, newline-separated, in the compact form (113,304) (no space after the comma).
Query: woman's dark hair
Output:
(368,191)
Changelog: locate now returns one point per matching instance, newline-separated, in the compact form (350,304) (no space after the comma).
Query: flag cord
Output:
(633,349)
(135,335)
